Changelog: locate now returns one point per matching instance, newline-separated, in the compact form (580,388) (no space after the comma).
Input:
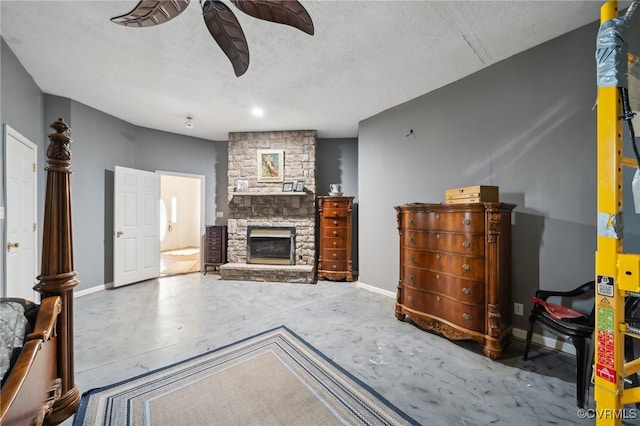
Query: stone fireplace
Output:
(261,204)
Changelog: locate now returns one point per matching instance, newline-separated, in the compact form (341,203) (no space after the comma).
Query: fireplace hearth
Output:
(271,245)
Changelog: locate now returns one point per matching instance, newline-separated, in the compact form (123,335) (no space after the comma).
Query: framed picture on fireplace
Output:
(270,165)
(299,186)
(287,187)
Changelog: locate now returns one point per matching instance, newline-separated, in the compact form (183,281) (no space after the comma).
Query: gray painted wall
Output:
(526,125)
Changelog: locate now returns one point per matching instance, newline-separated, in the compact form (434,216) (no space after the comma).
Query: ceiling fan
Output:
(221,22)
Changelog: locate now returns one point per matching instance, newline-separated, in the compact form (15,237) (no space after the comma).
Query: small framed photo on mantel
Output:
(287,187)
(299,186)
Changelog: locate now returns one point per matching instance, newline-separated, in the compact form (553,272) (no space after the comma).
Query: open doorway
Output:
(181,223)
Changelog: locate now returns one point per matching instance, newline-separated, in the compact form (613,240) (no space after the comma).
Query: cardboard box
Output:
(471,194)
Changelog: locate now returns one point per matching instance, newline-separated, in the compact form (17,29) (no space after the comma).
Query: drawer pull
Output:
(335,204)
(335,232)
(437,276)
(335,255)
(466,267)
(335,213)
(335,222)
(411,258)
(438,256)
(466,222)
(437,236)
(467,316)
(411,277)
(412,299)
(411,239)
(466,290)
(335,243)
(438,298)
(437,215)
(466,244)
(335,266)
(411,221)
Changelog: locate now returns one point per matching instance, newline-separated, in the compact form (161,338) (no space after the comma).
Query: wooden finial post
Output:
(58,276)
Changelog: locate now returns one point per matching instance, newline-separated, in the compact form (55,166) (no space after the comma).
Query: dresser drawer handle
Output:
(411,277)
(411,221)
(437,236)
(438,256)
(411,258)
(466,267)
(335,222)
(466,244)
(335,232)
(335,266)
(335,243)
(335,255)
(466,316)
(335,204)
(335,213)
(437,298)
(437,216)
(466,222)
(412,299)
(466,290)
(411,239)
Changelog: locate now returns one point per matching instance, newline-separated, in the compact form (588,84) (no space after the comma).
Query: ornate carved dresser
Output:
(334,255)
(215,247)
(455,271)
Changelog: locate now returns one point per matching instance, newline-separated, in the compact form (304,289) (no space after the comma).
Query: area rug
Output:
(273,378)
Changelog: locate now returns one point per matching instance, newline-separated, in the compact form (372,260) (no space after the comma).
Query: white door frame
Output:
(17,264)
(202,199)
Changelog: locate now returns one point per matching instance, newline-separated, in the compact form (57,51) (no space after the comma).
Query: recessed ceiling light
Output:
(257,112)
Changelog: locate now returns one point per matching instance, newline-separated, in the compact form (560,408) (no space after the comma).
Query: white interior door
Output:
(136,226)
(21,254)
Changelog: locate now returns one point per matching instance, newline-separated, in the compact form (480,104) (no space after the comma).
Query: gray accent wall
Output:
(527,125)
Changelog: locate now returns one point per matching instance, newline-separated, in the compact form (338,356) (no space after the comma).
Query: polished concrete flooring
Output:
(131,330)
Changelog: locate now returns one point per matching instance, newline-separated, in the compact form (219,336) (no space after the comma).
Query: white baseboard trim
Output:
(90,290)
(375,289)
(546,341)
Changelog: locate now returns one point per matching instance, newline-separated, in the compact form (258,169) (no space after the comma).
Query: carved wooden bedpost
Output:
(58,276)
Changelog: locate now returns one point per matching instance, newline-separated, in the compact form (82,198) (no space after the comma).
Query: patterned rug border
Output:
(280,331)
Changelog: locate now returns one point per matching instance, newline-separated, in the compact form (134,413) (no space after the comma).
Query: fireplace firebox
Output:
(271,245)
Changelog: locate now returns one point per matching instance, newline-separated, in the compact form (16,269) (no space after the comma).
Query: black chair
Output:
(578,330)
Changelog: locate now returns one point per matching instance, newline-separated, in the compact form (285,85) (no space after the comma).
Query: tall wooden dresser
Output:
(334,254)
(455,271)
(215,246)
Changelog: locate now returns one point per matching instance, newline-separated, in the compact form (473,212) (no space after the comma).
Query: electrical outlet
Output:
(518,309)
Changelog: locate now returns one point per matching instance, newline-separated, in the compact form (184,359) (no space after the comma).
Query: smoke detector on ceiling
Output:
(189,123)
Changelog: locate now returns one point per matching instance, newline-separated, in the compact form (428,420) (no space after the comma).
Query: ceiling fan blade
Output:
(285,12)
(151,12)
(226,31)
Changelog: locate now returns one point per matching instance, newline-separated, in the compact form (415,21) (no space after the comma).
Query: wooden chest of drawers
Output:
(334,234)
(215,247)
(455,271)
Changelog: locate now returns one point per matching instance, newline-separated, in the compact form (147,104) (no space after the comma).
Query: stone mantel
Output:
(269,194)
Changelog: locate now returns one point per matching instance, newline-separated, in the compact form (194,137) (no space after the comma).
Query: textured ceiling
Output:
(365,57)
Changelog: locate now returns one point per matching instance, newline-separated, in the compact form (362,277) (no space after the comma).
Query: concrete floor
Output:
(131,330)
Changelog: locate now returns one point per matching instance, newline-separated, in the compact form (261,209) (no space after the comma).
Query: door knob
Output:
(119,233)
(12,245)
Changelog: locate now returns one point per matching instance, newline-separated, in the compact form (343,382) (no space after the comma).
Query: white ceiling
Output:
(365,57)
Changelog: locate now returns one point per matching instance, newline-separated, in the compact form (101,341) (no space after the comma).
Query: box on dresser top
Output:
(455,270)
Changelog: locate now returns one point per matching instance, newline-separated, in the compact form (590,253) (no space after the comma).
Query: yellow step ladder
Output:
(617,273)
